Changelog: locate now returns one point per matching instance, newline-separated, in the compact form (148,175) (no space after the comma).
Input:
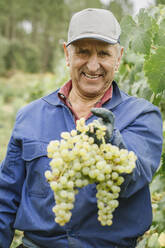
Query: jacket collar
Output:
(116,99)
(53,98)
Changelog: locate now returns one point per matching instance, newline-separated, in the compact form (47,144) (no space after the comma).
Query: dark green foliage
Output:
(142,70)
(142,74)
(154,70)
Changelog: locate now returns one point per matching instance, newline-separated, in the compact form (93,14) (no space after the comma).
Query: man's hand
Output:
(107,119)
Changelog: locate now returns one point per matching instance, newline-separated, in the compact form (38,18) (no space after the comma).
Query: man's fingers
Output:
(105,114)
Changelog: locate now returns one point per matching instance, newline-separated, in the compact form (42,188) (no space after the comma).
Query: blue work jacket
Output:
(26,199)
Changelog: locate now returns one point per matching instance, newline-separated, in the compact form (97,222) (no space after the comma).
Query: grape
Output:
(63,180)
(80,158)
(48,175)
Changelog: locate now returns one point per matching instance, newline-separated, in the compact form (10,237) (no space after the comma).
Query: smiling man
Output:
(93,54)
(92,67)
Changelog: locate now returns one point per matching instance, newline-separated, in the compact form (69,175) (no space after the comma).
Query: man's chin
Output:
(92,93)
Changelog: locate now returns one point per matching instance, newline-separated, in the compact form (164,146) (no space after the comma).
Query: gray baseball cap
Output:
(99,24)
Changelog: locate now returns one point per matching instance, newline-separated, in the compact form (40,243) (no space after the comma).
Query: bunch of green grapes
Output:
(80,158)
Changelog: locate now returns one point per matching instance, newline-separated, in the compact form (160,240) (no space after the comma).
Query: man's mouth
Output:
(92,76)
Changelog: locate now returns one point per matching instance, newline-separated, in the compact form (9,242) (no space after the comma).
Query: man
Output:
(93,54)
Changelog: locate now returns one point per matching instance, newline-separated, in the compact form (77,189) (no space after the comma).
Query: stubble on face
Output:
(92,66)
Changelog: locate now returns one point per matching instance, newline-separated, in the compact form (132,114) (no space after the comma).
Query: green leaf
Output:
(145,21)
(154,69)
(132,57)
(142,41)
(162,25)
(159,38)
(128,26)
(145,92)
(158,99)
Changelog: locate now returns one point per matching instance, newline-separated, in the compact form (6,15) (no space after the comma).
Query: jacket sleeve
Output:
(144,136)
(11,180)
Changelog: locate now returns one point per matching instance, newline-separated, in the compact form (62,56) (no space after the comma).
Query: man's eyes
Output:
(99,53)
(103,53)
(83,51)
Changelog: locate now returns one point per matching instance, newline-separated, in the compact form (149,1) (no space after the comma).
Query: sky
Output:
(138,4)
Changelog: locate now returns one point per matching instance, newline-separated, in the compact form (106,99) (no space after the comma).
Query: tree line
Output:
(32,32)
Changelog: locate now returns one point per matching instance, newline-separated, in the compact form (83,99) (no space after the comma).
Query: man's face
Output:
(92,65)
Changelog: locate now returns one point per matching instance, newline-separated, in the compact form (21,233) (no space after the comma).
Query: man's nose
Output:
(93,63)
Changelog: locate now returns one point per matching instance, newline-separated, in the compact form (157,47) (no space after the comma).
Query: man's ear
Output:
(66,54)
(121,52)
(119,58)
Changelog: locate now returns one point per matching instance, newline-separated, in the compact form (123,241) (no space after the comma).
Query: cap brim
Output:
(95,37)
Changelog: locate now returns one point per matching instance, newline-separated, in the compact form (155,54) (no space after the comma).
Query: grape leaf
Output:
(162,25)
(145,21)
(142,41)
(159,38)
(128,26)
(154,69)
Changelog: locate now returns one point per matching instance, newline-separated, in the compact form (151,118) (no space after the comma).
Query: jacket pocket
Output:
(35,156)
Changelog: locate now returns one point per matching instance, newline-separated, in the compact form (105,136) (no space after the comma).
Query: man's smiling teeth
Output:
(91,76)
